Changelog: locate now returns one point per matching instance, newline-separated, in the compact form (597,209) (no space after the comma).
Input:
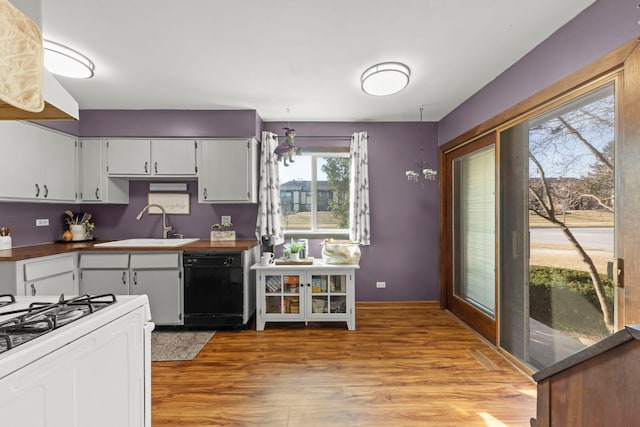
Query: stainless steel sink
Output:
(131,243)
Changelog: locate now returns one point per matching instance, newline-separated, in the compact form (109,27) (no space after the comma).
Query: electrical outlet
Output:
(225,219)
(42,222)
(381,284)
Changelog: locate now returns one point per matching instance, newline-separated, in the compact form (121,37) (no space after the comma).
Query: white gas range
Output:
(81,361)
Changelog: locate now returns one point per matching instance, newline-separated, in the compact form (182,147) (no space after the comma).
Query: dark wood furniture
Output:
(598,386)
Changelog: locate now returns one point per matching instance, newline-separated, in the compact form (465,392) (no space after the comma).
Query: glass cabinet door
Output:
(328,294)
(282,294)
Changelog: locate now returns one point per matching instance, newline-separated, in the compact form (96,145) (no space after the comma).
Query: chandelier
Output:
(420,168)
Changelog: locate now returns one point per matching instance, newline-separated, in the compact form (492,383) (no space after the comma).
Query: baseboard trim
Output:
(379,305)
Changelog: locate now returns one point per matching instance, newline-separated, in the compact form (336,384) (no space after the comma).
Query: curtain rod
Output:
(319,137)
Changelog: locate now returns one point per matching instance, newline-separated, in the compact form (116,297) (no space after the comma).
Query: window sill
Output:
(320,235)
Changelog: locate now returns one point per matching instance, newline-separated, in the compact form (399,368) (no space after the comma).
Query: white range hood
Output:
(58,103)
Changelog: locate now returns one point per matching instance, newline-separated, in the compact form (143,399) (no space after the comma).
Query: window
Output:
(314,194)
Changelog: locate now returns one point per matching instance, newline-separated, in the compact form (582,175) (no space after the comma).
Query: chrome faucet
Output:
(165,228)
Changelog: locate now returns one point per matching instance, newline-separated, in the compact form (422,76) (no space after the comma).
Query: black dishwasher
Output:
(213,290)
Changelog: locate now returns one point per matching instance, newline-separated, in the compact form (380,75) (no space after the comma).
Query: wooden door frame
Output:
(627,216)
(478,320)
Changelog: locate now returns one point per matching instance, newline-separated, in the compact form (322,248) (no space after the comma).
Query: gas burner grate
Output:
(42,317)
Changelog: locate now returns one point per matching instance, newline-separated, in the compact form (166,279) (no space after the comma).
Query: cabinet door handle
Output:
(46,191)
(146,167)
(135,278)
(37,190)
(205,194)
(124,277)
(97,193)
(33,290)
(155,167)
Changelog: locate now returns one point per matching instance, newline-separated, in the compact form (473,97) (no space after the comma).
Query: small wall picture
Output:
(173,203)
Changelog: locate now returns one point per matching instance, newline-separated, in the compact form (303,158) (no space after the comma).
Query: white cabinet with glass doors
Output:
(305,293)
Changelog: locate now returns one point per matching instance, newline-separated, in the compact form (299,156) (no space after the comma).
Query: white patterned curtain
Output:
(269,221)
(359,190)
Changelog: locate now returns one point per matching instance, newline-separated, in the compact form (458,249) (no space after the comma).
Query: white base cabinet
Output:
(104,273)
(157,275)
(48,275)
(319,292)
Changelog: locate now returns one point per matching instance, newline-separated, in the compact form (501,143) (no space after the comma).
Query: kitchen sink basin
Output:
(130,243)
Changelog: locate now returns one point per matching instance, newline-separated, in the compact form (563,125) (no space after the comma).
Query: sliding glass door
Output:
(557,229)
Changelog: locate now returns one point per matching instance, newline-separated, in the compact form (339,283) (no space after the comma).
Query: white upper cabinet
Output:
(95,185)
(174,157)
(39,164)
(21,162)
(151,158)
(228,171)
(91,166)
(129,157)
(58,171)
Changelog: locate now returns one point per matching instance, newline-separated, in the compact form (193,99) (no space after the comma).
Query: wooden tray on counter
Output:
(308,261)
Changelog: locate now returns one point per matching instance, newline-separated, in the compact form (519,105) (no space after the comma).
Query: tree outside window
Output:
(314,193)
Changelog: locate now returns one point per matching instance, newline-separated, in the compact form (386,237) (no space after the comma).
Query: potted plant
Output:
(293,250)
(219,232)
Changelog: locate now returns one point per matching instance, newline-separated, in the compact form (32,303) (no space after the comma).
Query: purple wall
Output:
(404,220)
(72,127)
(599,29)
(404,216)
(21,217)
(168,123)
(119,221)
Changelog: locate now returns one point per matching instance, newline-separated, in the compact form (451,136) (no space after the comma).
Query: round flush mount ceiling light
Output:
(385,78)
(64,61)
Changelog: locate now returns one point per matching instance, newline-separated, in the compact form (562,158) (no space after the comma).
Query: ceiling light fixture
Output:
(385,78)
(64,61)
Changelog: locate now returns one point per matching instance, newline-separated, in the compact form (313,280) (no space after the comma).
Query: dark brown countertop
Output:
(46,249)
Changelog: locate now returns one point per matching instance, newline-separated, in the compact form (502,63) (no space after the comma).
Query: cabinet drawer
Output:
(119,261)
(162,261)
(46,268)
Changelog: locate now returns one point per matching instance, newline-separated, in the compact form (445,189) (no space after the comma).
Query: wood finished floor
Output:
(407,364)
